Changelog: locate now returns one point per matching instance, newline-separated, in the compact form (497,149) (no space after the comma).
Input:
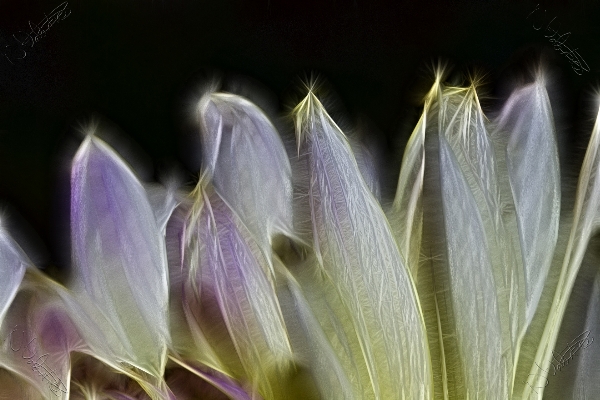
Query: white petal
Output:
(13,262)
(311,344)
(585,222)
(163,201)
(533,168)
(473,290)
(247,163)
(407,210)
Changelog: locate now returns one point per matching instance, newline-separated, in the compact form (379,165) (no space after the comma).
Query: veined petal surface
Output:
(407,210)
(533,170)
(586,220)
(119,260)
(355,247)
(228,270)
(473,290)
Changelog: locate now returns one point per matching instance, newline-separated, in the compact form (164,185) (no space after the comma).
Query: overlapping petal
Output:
(247,163)
(265,295)
(354,246)
(229,272)
(119,278)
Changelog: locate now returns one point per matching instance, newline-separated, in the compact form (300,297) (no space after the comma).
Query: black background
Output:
(135,64)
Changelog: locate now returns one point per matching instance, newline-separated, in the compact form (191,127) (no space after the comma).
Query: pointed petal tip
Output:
(304,113)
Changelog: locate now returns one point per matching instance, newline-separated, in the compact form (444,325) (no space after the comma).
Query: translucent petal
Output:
(247,163)
(39,337)
(466,257)
(586,355)
(119,273)
(533,170)
(473,290)
(355,247)
(13,262)
(585,222)
(367,165)
(163,201)
(230,273)
(407,210)
(573,372)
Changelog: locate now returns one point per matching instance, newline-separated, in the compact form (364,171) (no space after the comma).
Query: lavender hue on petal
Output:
(119,260)
(219,380)
(247,163)
(39,337)
(227,262)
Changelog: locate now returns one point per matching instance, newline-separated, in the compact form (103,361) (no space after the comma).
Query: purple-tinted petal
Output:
(39,337)
(356,249)
(247,163)
(188,385)
(119,260)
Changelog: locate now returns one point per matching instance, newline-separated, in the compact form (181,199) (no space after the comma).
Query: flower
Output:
(285,274)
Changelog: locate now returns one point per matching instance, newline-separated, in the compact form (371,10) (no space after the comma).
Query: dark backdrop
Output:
(134,63)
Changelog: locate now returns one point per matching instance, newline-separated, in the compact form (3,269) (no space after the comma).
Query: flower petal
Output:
(228,266)
(311,343)
(13,262)
(473,291)
(119,260)
(406,216)
(533,170)
(247,163)
(39,336)
(586,221)
(355,247)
